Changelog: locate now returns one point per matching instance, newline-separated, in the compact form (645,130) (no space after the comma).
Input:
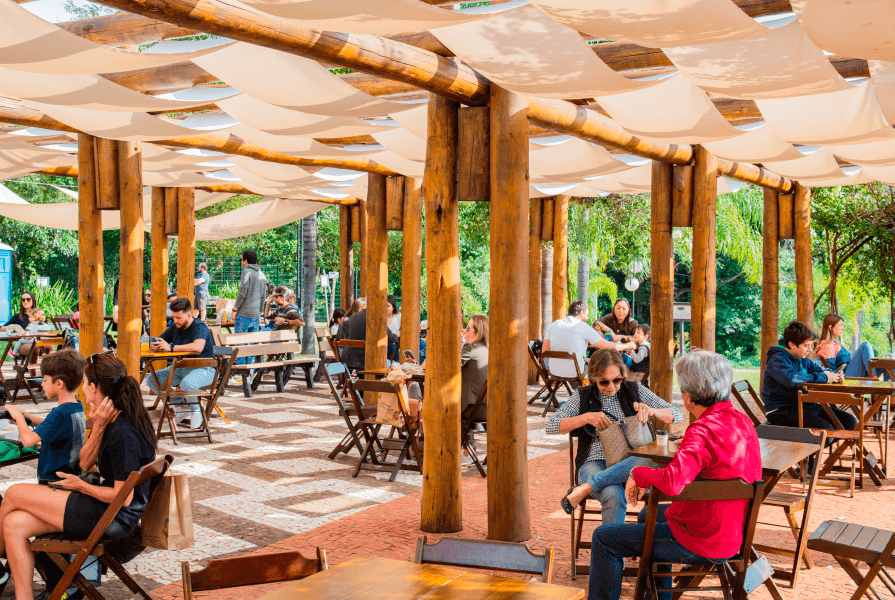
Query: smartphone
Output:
(409,354)
(841,368)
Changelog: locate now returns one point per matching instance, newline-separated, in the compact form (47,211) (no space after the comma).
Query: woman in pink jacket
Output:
(720,444)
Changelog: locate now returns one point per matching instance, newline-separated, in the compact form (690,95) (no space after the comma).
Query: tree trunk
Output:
(583,278)
(308,286)
(546,287)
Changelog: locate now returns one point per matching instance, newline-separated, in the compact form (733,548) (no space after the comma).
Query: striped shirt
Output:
(612,409)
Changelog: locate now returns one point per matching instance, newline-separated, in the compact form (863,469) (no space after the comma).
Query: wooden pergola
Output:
(477,148)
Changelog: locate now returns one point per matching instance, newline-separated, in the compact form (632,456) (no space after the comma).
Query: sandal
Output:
(566,505)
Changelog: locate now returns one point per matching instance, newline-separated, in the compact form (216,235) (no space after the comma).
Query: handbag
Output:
(623,436)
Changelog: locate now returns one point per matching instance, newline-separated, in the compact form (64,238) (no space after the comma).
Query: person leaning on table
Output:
(720,444)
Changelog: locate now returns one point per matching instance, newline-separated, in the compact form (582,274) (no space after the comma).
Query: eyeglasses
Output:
(605,382)
(27,299)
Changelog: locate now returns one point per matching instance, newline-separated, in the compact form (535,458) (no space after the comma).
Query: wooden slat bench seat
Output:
(850,544)
(273,348)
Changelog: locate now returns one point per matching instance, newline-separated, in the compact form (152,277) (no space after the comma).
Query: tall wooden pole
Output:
(377,273)
(91,285)
(508,510)
(661,282)
(186,242)
(364,240)
(703,292)
(346,258)
(159,275)
(411,262)
(770,275)
(804,271)
(534,280)
(442,501)
(130,289)
(560,256)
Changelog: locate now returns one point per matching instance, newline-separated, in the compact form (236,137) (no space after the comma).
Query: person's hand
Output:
(103,414)
(833,377)
(279,320)
(644,412)
(14,412)
(161,345)
(633,494)
(69,482)
(598,420)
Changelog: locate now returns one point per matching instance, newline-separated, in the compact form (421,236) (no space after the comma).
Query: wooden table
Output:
(10,338)
(418,375)
(376,578)
(149,356)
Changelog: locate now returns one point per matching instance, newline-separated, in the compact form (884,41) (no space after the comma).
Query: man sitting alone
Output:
(283,313)
(187,334)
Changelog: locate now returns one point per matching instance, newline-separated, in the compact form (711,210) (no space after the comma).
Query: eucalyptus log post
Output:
(704,272)
(770,275)
(560,256)
(508,510)
(91,285)
(661,281)
(411,262)
(106,153)
(534,280)
(171,211)
(364,240)
(159,277)
(186,242)
(804,271)
(346,258)
(130,289)
(376,257)
(442,501)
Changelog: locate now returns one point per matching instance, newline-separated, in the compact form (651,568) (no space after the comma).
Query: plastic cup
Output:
(662,437)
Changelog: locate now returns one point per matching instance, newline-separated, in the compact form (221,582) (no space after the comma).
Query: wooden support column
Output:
(106,153)
(363,240)
(171,211)
(186,242)
(704,273)
(346,258)
(130,289)
(442,502)
(159,261)
(560,256)
(661,281)
(804,270)
(411,262)
(91,285)
(770,275)
(508,510)
(376,268)
(534,280)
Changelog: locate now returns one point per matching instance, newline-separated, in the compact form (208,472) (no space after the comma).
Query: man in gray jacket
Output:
(251,296)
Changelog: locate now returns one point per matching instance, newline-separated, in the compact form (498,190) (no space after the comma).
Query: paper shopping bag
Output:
(168,518)
(388,411)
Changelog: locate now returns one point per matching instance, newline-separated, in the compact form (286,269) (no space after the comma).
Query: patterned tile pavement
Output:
(266,485)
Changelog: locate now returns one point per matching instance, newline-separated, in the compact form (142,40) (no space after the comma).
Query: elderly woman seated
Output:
(594,407)
(720,444)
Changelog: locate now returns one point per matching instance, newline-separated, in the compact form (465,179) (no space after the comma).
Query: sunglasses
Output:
(91,360)
(605,382)
(27,299)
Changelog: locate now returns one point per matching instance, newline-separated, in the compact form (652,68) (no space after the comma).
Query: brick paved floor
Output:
(266,485)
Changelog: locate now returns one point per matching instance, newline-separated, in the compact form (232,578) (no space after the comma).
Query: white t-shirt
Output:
(570,335)
(395,325)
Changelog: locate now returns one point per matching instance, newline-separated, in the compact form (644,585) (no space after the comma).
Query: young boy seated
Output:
(637,360)
(61,432)
(787,368)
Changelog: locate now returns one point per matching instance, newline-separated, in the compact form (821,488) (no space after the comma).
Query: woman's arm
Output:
(660,409)
(102,415)
(567,419)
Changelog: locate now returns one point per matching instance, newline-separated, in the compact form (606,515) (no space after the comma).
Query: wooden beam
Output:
(682,196)
(754,175)
(704,271)
(534,279)
(474,184)
(91,284)
(785,218)
(124,29)
(346,259)
(106,152)
(508,499)
(442,504)
(186,242)
(376,259)
(130,288)
(804,265)
(172,211)
(411,263)
(661,281)
(770,277)
(394,203)
(560,256)
(159,274)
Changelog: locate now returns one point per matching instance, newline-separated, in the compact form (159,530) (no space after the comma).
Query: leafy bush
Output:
(224,290)
(57,299)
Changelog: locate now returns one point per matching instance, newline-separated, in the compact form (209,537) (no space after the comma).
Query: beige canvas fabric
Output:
(883,76)
(268,118)
(403,143)
(873,154)
(819,165)
(265,214)
(863,29)
(757,144)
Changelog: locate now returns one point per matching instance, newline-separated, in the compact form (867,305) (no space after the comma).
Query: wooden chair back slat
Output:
(351,344)
(258,337)
(789,434)
(265,349)
(882,364)
(740,390)
(368,385)
(485,554)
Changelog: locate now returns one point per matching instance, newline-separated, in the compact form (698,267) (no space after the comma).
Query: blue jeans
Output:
(613,542)
(859,365)
(186,379)
(611,492)
(246,325)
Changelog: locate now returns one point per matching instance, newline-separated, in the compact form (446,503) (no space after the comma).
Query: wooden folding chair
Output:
(407,442)
(732,573)
(555,383)
(324,335)
(851,544)
(467,428)
(27,373)
(210,397)
(542,373)
(58,546)
(223,573)
(746,397)
(340,344)
(348,411)
(791,503)
(485,554)
(847,440)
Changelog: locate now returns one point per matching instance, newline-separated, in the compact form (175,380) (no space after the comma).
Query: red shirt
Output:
(720,444)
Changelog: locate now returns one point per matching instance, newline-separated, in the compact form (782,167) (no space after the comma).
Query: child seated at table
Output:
(637,360)
(38,324)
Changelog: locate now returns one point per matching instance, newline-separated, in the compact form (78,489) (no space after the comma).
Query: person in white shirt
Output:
(574,335)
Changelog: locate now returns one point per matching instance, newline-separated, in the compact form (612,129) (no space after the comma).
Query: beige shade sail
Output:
(818,165)
(265,214)
(883,76)
(757,144)
(268,118)
(874,154)
(859,29)
(572,159)
(403,143)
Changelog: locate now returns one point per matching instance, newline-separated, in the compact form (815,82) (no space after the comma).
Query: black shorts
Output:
(83,513)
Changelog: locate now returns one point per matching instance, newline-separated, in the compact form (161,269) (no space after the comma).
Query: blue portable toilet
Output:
(5,281)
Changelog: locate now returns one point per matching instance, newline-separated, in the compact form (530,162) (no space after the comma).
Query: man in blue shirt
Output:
(200,291)
(186,335)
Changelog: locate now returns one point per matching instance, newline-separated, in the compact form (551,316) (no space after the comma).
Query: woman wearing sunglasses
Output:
(26,303)
(608,398)
(122,441)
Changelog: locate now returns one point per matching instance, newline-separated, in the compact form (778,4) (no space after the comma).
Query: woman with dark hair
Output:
(619,322)
(358,305)
(26,303)
(122,441)
(335,320)
(831,350)
(393,314)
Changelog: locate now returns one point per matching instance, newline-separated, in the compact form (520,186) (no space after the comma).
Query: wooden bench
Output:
(272,347)
(850,544)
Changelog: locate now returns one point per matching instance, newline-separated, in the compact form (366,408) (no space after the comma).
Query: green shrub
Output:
(57,299)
